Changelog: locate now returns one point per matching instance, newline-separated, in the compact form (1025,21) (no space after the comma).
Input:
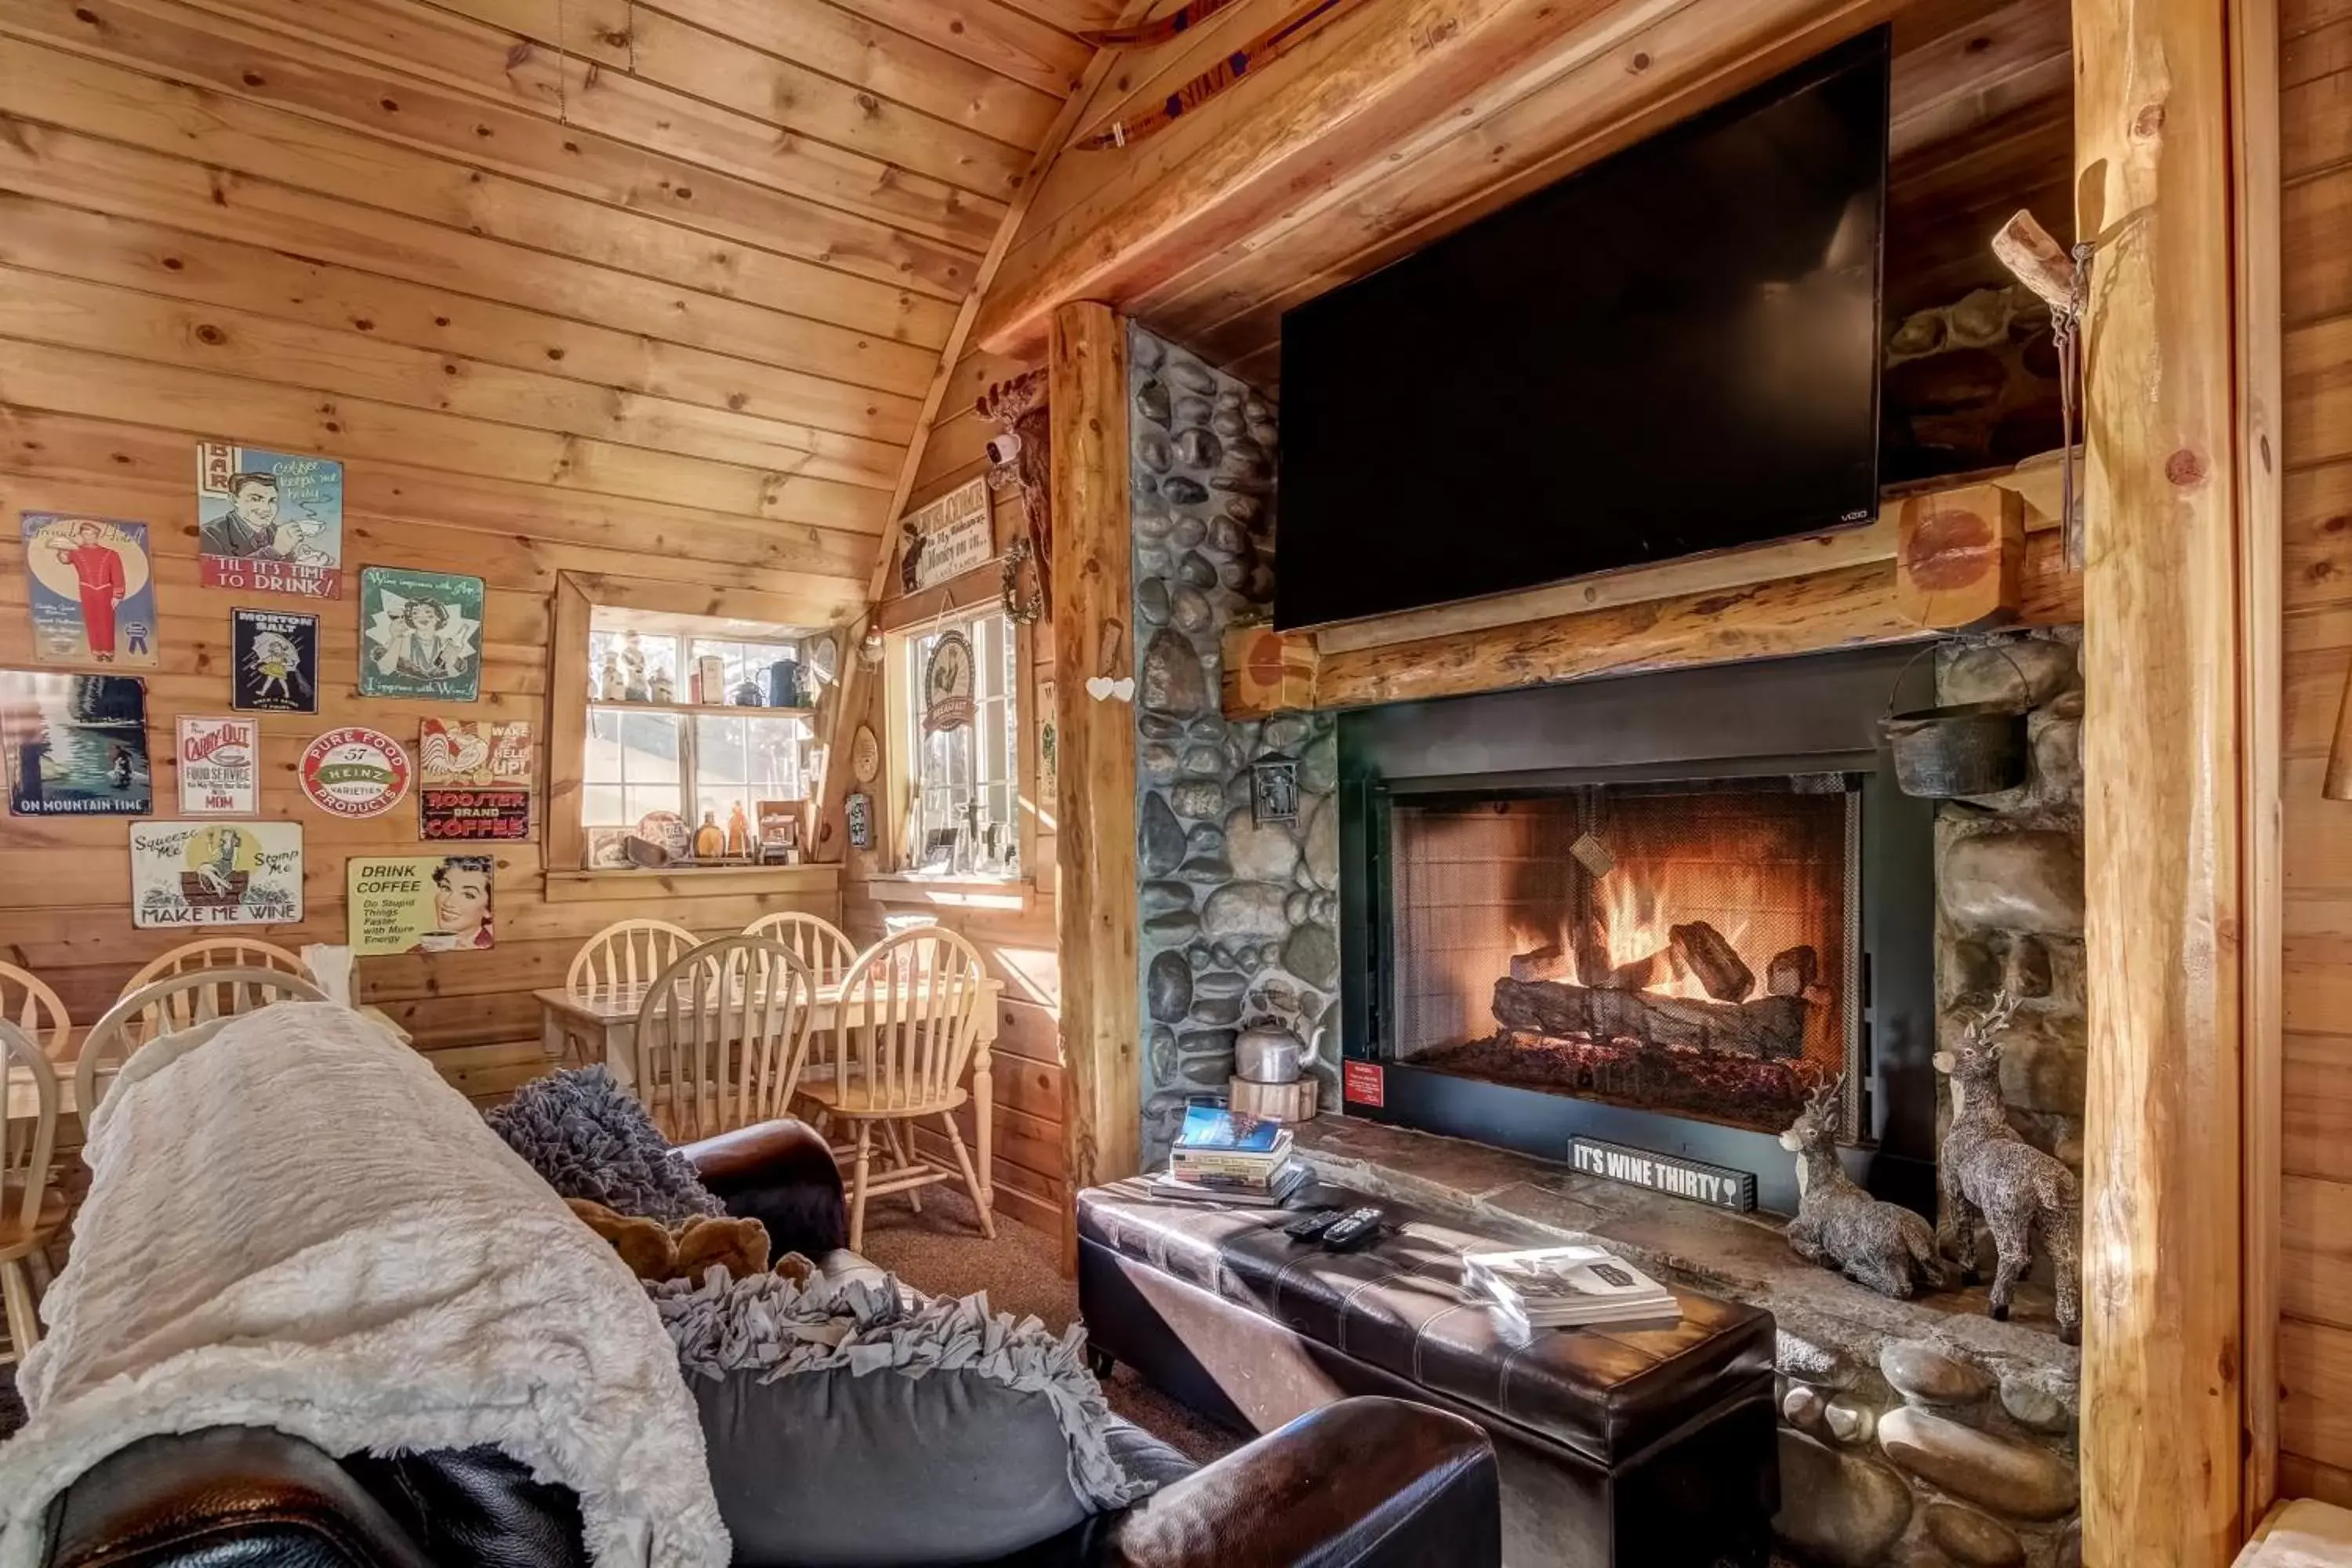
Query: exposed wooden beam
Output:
(1101,1016)
(2256,153)
(1368,83)
(2163,660)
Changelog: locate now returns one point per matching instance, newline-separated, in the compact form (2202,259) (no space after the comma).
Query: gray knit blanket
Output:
(771,1326)
(588,1138)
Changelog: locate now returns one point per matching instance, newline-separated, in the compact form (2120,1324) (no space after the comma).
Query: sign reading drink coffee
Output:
(1717,1184)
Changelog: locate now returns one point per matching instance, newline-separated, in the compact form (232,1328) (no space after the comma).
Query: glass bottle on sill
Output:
(709,839)
(739,832)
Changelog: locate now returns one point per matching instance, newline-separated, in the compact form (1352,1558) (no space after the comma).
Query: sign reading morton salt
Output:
(1717,1184)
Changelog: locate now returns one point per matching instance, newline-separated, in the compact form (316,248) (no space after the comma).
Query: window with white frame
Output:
(963,781)
(657,741)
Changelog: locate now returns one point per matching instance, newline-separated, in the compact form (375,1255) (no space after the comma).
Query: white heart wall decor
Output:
(1102,688)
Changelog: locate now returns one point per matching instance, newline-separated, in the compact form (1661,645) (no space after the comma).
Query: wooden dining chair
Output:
(217,953)
(626,952)
(721,1036)
(26,1000)
(31,1212)
(816,941)
(907,1022)
(168,1006)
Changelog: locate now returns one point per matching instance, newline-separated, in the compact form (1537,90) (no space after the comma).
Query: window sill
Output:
(1000,893)
(686,881)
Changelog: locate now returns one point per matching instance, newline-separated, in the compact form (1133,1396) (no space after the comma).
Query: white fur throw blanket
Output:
(294,1223)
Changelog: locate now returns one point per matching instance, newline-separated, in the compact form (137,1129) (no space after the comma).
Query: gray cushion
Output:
(823,1467)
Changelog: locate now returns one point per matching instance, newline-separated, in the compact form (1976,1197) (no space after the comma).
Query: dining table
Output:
(24,1100)
(603,1020)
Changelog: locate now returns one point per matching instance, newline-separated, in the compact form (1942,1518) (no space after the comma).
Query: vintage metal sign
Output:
(1718,1185)
(355,772)
(270,520)
(220,767)
(473,780)
(275,656)
(419,903)
(420,634)
(91,587)
(218,873)
(76,744)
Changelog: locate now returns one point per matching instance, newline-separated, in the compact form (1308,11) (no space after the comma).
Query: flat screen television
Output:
(1673,350)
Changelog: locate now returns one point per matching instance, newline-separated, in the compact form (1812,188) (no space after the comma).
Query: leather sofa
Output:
(1375,1482)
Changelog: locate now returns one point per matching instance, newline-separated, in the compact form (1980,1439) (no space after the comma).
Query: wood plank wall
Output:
(2315,1283)
(1022,947)
(648,291)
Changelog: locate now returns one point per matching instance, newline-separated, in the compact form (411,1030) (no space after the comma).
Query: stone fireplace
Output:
(1660,910)
(1642,909)
(1679,946)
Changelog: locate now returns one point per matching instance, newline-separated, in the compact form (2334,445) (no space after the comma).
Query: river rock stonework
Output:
(1238,916)
(1981,1435)
(2009,882)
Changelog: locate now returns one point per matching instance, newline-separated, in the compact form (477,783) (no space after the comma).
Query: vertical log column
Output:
(1101,1009)
(2163,641)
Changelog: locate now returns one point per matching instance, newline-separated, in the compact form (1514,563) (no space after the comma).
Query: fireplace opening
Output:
(1686,948)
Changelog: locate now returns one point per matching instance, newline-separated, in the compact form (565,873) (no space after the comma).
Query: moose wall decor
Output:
(1019,461)
(1994,1177)
(1839,1225)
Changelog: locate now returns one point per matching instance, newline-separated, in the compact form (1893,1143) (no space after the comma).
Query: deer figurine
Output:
(1839,1225)
(1991,1176)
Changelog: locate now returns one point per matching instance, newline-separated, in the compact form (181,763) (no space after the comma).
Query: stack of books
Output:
(1564,1287)
(1224,1156)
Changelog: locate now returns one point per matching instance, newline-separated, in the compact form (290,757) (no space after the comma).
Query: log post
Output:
(2164,825)
(1101,1001)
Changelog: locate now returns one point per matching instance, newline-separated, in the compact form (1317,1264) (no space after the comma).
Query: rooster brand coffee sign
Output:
(220,771)
(354,772)
(473,780)
(1718,1185)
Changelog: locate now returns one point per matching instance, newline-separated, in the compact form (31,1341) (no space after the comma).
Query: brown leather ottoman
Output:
(1646,1447)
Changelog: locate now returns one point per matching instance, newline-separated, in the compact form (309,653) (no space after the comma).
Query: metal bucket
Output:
(1966,749)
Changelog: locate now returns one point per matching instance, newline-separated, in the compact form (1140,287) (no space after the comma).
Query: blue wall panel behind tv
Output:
(1674,351)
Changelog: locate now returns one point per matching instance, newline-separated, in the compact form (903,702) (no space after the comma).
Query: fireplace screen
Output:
(1685,948)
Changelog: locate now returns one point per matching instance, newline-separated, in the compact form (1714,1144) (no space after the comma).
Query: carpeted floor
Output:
(941,1252)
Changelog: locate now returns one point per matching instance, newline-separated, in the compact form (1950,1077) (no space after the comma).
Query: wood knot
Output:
(2149,121)
(209,333)
(2185,468)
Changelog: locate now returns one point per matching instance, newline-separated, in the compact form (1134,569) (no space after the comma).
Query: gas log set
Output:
(1632,1032)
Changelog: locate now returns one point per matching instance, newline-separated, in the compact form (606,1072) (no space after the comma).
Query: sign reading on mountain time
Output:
(355,772)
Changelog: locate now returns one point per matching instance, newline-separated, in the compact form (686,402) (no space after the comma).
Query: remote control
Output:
(1310,1225)
(1354,1231)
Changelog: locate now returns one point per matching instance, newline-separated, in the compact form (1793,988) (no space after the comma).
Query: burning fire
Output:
(1635,915)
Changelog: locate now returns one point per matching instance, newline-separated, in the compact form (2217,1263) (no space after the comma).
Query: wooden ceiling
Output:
(1398,124)
(698,259)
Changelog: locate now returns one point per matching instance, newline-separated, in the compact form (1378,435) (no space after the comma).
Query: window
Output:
(652,746)
(963,783)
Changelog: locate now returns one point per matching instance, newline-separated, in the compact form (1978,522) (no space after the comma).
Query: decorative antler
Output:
(1827,1103)
(1982,1030)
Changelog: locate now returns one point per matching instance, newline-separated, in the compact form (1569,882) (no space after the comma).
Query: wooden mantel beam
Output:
(1954,559)
(2169,543)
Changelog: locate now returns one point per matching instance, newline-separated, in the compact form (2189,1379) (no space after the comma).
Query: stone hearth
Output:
(1913,1432)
